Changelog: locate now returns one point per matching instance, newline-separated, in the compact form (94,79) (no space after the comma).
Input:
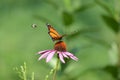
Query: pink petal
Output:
(44,55)
(74,58)
(64,55)
(68,53)
(61,57)
(41,52)
(49,57)
(71,56)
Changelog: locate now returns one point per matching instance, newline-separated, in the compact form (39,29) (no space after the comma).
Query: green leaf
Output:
(98,40)
(50,2)
(104,6)
(79,32)
(113,70)
(111,22)
(85,7)
(67,18)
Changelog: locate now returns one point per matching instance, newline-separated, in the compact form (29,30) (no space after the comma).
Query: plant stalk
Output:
(55,70)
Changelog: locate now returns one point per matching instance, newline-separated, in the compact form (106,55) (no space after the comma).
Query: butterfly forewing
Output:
(53,33)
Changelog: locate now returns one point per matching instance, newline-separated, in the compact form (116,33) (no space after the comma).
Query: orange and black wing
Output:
(53,33)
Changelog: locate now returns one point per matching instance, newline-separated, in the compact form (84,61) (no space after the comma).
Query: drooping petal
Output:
(41,52)
(74,58)
(68,53)
(71,56)
(44,55)
(50,55)
(63,53)
(61,57)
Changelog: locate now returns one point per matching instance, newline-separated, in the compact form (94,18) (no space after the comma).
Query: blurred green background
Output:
(94,37)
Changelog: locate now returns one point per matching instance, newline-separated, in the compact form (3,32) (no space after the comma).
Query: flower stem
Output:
(55,70)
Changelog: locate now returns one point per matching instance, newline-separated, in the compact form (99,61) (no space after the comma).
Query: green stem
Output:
(23,69)
(24,75)
(32,75)
(55,70)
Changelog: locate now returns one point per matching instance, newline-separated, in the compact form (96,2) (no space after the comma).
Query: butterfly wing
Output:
(53,33)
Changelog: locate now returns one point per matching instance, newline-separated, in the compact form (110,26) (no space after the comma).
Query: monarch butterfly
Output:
(53,33)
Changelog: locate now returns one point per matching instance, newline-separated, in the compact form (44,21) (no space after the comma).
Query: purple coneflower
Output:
(60,50)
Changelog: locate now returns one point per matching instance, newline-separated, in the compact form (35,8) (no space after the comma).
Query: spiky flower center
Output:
(60,46)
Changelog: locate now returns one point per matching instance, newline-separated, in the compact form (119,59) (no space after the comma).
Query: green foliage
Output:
(112,69)
(111,22)
(104,6)
(85,7)
(23,72)
(67,18)
(87,36)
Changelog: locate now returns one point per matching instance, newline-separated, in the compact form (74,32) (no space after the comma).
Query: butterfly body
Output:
(53,33)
